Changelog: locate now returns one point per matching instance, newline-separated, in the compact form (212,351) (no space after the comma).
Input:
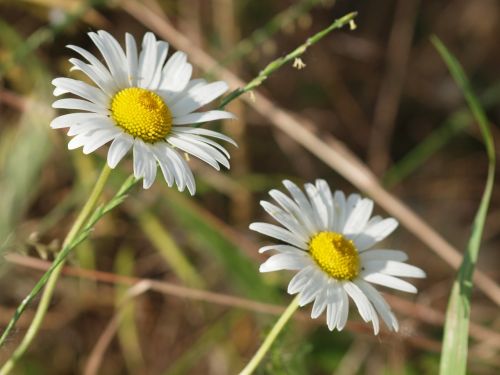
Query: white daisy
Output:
(144,103)
(331,241)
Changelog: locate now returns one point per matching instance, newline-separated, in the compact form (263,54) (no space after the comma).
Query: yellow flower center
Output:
(335,255)
(142,114)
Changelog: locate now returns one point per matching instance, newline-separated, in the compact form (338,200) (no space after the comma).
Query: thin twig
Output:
(216,298)
(391,87)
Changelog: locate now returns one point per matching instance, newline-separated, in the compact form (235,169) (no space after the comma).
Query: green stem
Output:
(51,283)
(271,336)
(278,63)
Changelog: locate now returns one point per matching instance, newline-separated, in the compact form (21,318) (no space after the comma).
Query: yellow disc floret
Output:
(335,255)
(142,114)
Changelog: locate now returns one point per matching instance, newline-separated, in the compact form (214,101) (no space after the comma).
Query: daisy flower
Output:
(144,103)
(331,241)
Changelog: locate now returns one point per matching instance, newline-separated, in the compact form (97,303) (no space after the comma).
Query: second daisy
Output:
(330,240)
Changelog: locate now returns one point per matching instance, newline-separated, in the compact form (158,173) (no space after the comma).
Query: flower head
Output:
(331,240)
(144,103)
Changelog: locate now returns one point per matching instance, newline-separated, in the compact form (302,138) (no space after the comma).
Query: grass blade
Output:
(455,341)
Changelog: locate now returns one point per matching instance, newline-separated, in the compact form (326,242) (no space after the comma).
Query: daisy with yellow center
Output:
(331,241)
(144,103)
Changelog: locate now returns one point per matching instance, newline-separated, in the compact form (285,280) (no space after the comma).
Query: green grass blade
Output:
(278,63)
(128,332)
(455,341)
(167,247)
(454,125)
(425,149)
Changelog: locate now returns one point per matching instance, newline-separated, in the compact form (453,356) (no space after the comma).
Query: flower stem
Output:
(271,336)
(51,283)
(279,62)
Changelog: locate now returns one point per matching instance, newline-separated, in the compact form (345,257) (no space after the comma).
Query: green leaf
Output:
(455,341)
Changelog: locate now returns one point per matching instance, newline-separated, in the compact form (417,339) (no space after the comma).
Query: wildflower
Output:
(298,63)
(330,240)
(144,103)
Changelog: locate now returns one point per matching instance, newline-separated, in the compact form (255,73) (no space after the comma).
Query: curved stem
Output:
(271,336)
(51,283)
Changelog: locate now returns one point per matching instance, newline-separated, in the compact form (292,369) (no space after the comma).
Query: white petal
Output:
(132,61)
(172,97)
(280,248)
(82,89)
(380,304)
(101,78)
(319,303)
(95,71)
(182,172)
(390,282)
(79,141)
(67,120)
(393,268)
(312,288)
(327,198)
(176,73)
(351,203)
(113,55)
(375,233)
(199,138)
(278,233)
(298,282)
(383,254)
(207,155)
(119,148)
(358,217)
(198,97)
(291,207)
(166,165)
(303,203)
(333,309)
(375,319)
(149,169)
(94,61)
(99,138)
(343,310)
(359,299)
(139,151)
(204,132)
(339,204)
(197,117)
(80,105)
(161,55)
(319,207)
(285,219)
(373,220)
(284,261)
(147,60)
(88,126)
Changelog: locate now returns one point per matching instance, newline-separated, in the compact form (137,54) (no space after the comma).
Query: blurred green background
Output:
(381,89)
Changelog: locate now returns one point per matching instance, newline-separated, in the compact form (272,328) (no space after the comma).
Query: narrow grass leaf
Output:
(454,125)
(455,341)
(128,333)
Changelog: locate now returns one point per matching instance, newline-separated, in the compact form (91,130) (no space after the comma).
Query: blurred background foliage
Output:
(381,89)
